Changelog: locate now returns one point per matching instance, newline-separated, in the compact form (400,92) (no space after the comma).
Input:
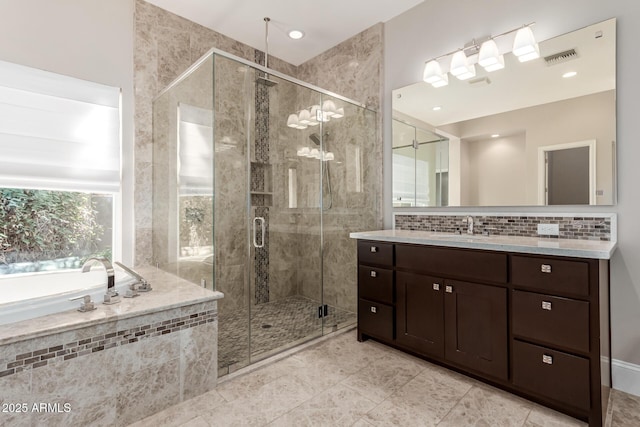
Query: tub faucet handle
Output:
(87,304)
(111,298)
(132,292)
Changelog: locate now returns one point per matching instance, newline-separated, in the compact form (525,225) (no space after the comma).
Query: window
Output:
(59,169)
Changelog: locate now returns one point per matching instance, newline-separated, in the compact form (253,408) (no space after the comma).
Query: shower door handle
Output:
(255,241)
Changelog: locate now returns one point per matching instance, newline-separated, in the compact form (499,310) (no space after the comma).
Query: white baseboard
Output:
(625,376)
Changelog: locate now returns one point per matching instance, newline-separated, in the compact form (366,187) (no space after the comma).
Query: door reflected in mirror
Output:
(489,141)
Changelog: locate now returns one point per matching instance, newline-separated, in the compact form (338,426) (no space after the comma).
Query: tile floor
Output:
(274,325)
(340,382)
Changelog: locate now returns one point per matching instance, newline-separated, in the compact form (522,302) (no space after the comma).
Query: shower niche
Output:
(231,174)
(261,184)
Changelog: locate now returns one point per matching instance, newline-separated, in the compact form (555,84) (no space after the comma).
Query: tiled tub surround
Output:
(572,226)
(114,365)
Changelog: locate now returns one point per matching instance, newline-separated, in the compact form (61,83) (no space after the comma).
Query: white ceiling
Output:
(519,85)
(325,23)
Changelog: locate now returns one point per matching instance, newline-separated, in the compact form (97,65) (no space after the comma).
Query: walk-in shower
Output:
(242,189)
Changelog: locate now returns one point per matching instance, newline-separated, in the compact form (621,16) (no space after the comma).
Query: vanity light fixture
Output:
(495,135)
(292,121)
(460,66)
(329,108)
(487,54)
(313,115)
(525,46)
(569,74)
(489,57)
(433,74)
(437,108)
(304,118)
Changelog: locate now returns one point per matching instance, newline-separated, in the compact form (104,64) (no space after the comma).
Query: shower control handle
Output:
(260,220)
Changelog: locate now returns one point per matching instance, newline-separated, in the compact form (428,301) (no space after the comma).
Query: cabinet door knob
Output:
(374,310)
(545,268)
(546,305)
(373,274)
(448,289)
(436,286)
(547,358)
(374,249)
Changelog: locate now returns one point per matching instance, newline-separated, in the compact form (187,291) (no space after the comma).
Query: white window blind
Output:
(58,132)
(195,142)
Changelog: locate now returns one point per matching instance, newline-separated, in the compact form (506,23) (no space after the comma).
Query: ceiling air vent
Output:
(561,57)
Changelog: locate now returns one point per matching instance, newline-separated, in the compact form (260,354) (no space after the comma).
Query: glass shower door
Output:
(285,285)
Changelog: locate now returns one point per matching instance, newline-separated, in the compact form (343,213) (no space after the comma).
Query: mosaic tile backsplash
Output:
(571,227)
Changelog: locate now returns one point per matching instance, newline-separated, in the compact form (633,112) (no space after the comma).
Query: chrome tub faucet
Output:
(111,297)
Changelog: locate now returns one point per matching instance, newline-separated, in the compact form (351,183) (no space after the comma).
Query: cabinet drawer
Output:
(377,253)
(550,274)
(554,320)
(476,265)
(375,319)
(550,373)
(375,284)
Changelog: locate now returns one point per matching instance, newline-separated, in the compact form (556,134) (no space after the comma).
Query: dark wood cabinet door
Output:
(476,327)
(420,313)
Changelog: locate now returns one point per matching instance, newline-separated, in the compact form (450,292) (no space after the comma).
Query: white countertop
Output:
(593,249)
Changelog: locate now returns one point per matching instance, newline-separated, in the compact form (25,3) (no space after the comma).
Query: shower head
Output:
(316,138)
(265,78)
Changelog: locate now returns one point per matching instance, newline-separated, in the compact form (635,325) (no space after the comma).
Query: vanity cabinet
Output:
(464,323)
(533,325)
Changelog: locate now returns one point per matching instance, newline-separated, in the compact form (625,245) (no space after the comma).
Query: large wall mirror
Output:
(540,132)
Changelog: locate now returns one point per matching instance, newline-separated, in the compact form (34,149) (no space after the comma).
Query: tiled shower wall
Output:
(165,46)
(571,227)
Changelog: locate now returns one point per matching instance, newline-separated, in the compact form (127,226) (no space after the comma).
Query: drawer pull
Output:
(374,310)
(448,289)
(374,249)
(546,305)
(545,268)
(436,286)
(373,274)
(548,359)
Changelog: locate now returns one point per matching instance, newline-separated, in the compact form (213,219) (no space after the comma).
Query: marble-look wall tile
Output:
(143,254)
(198,360)
(352,68)
(148,391)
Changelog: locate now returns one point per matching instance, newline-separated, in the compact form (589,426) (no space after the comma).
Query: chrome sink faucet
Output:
(111,296)
(469,224)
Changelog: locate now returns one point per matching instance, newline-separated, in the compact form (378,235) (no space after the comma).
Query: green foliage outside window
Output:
(40,225)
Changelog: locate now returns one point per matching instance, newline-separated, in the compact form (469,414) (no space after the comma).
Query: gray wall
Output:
(437,27)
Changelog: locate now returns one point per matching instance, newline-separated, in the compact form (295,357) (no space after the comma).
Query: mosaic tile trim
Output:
(62,352)
(258,184)
(261,256)
(571,227)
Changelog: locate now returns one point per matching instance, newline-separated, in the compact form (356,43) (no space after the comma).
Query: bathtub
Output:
(27,296)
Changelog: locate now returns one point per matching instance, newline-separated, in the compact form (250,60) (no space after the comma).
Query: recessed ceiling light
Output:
(437,108)
(296,34)
(495,135)
(569,74)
